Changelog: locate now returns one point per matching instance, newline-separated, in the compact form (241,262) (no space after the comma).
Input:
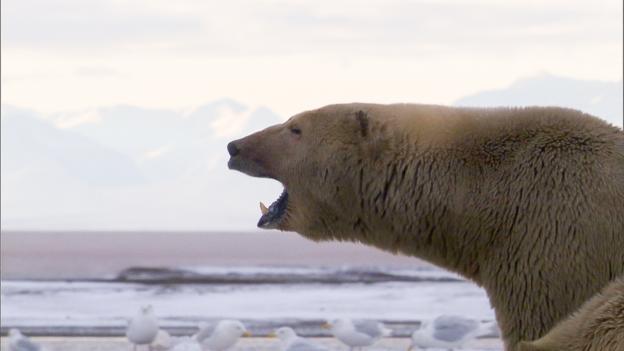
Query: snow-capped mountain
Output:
(126,167)
(602,99)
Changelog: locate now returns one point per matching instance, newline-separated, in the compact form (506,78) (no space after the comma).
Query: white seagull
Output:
(18,342)
(449,332)
(290,341)
(162,342)
(221,336)
(143,328)
(356,333)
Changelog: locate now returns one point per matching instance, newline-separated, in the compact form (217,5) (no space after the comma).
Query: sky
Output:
(115,114)
(66,55)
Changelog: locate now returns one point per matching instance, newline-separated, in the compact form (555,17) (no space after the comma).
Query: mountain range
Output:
(132,168)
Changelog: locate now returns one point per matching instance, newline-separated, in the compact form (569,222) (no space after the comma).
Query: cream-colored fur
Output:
(526,202)
(597,326)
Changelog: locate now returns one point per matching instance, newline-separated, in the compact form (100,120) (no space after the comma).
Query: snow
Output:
(97,304)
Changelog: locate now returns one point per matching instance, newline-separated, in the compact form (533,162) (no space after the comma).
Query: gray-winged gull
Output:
(143,328)
(356,333)
(221,336)
(19,342)
(290,341)
(163,341)
(448,331)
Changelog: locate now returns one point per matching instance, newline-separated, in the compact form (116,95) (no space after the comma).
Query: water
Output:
(94,282)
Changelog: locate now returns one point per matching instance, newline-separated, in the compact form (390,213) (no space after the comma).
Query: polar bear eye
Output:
(295,130)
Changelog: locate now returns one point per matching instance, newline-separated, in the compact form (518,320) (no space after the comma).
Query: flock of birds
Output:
(143,331)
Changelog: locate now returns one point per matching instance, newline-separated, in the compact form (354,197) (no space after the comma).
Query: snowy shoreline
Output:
(247,344)
(262,297)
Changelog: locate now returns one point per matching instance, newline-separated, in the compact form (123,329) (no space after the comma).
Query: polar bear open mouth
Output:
(273,215)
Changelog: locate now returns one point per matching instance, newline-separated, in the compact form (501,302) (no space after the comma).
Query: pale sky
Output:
(294,55)
(138,99)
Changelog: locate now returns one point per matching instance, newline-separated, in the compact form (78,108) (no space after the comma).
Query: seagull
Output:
(292,342)
(18,342)
(356,333)
(143,328)
(187,344)
(162,342)
(449,332)
(221,336)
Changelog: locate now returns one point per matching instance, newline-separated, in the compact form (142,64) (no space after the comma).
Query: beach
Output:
(77,290)
(245,344)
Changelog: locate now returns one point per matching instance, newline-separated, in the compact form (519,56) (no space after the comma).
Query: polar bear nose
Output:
(232,149)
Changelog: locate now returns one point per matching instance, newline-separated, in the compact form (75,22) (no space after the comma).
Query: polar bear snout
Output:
(247,156)
(232,148)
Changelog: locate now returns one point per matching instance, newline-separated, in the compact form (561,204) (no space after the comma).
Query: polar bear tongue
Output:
(272,215)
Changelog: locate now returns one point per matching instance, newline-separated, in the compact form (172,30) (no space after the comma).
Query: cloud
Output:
(97,71)
(408,26)
(69,54)
(242,28)
(64,24)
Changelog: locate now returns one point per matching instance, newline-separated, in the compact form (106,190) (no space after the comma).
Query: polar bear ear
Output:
(362,119)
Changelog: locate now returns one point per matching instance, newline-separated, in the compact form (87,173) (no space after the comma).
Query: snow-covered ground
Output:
(263,297)
(245,344)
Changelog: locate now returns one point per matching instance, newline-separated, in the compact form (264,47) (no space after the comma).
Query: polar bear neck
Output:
(500,204)
(430,220)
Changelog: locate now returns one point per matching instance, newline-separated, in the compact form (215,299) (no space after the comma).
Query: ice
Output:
(83,304)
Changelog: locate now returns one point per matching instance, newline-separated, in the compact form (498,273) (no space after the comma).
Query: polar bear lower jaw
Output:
(275,213)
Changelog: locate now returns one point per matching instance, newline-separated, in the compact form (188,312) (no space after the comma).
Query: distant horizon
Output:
(57,117)
(70,254)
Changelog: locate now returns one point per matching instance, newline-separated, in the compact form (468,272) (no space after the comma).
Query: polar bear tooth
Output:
(263,208)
